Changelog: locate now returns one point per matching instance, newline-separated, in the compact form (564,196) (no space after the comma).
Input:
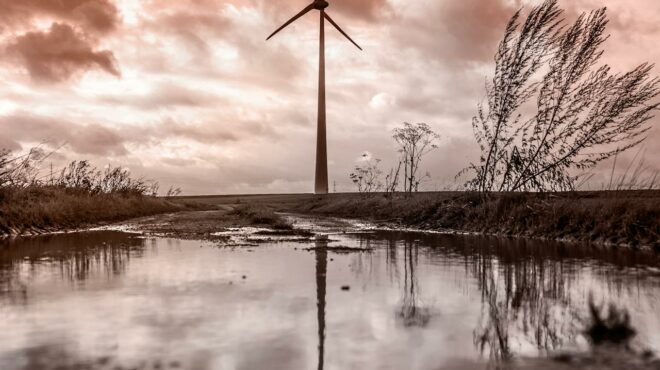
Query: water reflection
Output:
(418,301)
(321,254)
(526,287)
(525,295)
(412,313)
(72,258)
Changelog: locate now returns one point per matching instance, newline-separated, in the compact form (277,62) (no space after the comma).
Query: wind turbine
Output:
(321,183)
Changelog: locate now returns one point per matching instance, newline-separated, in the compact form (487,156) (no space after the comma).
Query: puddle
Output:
(113,300)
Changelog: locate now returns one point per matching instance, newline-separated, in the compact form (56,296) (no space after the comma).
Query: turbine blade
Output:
(340,30)
(303,12)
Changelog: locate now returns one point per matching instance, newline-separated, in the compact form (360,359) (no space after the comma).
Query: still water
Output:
(112,300)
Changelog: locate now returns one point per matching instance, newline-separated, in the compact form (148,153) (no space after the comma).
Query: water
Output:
(111,300)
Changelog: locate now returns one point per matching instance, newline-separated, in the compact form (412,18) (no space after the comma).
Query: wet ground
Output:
(344,298)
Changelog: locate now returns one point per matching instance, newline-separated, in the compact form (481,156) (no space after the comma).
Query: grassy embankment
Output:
(631,218)
(79,195)
(621,218)
(33,210)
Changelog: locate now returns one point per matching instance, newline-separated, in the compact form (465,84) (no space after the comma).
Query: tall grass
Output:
(636,176)
(77,195)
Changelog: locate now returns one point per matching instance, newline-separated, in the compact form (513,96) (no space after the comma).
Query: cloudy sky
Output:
(190,93)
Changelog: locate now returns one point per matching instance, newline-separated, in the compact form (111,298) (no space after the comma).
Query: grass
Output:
(631,218)
(43,208)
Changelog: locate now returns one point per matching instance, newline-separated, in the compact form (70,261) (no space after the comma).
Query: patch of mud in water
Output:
(329,225)
(340,249)
(124,227)
(253,236)
(239,231)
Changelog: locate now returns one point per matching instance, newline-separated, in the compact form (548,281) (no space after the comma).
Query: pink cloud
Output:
(59,53)
(97,15)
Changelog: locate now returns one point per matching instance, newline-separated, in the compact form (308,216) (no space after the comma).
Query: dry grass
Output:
(42,208)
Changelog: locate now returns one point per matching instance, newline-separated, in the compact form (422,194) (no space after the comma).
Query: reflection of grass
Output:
(263,216)
(614,328)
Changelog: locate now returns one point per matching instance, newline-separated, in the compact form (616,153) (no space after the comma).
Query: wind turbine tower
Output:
(321,183)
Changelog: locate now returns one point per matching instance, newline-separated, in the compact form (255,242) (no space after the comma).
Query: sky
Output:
(189,93)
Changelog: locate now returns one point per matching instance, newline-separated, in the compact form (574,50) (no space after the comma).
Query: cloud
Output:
(209,133)
(92,138)
(195,26)
(465,31)
(165,95)
(369,10)
(213,36)
(99,139)
(206,103)
(60,53)
(97,15)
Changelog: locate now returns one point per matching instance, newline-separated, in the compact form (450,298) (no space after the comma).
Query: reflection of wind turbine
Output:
(321,184)
(321,271)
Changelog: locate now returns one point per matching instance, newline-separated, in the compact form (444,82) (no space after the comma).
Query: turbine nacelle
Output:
(320,4)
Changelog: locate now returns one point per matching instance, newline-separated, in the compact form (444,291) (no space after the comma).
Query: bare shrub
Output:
(367,175)
(584,114)
(414,141)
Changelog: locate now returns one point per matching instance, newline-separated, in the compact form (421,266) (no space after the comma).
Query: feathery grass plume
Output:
(551,110)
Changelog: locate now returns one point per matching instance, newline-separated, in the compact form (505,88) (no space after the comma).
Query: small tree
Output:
(367,175)
(584,114)
(414,141)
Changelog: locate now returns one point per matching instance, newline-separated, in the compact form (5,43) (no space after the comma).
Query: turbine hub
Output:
(321,4)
